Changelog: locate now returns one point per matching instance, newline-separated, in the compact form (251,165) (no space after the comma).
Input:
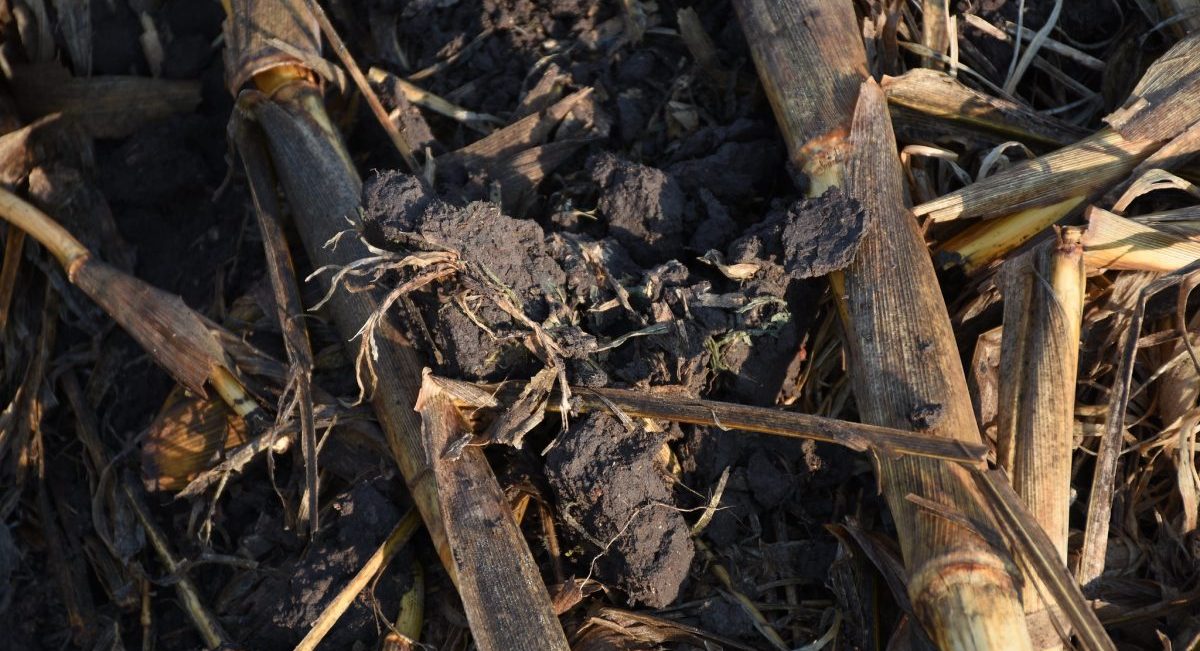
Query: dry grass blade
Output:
(1172,155)
(1104,480)
(904,362)
(500,585)
(424,98)
(701,46)
(206,624)
(1150,180)
(1051,45)
(1017,72)
(339,48)
(1034,548)
(395,541)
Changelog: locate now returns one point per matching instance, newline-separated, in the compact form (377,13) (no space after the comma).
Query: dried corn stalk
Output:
(1039,355)
(904,362)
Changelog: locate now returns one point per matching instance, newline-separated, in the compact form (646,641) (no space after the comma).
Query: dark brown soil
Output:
(291,595)
(608,481)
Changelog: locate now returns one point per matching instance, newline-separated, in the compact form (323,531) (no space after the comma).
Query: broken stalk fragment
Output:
(935,95)
(903,358)
(174,335)
(881,441)
(1115,242)
(1039,354)
(1028,198)
(502,592)
(1165,103)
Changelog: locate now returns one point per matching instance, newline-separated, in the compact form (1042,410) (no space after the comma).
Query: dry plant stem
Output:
(1086,168)
(502,591)
(746,604)
(61,244)
(882,441)
(1033,548)
(323,189)
(1039,354)
(903,359)
(356,74)
(395,541)
(289,308)
(189,595)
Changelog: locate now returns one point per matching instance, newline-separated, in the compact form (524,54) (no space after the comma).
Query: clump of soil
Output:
(399,208)
(606,480)
(642,206)
(822,234)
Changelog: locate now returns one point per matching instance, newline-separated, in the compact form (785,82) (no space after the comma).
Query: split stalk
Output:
(903,359)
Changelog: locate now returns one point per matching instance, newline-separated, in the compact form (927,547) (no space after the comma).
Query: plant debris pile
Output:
(604,201)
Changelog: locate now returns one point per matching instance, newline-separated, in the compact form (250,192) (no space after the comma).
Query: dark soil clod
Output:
(608,480)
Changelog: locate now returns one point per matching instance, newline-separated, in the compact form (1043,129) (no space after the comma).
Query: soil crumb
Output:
(605,478)
(822,234)
(643,206)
